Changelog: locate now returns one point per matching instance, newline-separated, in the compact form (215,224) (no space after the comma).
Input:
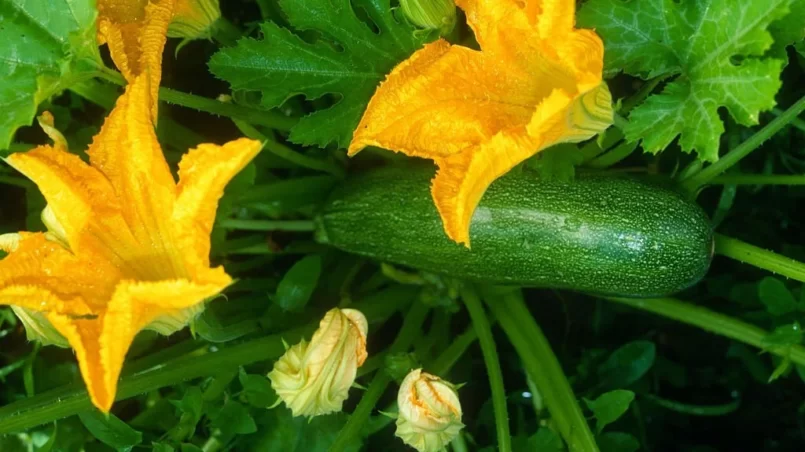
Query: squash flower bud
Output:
(431,14)
(430,412)
(193,19)
(314,378)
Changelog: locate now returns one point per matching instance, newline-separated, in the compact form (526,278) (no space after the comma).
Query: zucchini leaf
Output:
(45,46)
(717,50)
(350,60)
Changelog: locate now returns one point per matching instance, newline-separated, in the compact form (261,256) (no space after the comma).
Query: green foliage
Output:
(110,430)
(283,64)
(298,284)
(627,364)
(609,407)
(715,50)
(776,296)
(546,440)
(618,442)
(557,162)
(735,383)
(45,47)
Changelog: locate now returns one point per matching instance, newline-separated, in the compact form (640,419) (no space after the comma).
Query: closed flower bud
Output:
(431,14)
(193,19)
(313,378)
(430,412)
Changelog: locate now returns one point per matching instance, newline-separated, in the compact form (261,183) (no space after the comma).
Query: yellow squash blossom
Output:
(136,31)
(430,412)
(313,378)
(128,247)
(536,82)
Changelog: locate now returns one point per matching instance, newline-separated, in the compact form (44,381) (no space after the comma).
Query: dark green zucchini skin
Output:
(603,234)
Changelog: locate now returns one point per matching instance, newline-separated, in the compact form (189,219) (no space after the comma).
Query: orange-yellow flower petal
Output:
(136,31)
(128,249)
(536,82)
(40,274)
(203,174)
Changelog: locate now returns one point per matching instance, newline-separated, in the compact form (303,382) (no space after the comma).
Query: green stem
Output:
(225,32)
(484,331)
(759,179)
(703,177)
(72,399)
(271,119)
(275,147)
(796,122)
(105,95)
(619,121)
(267,225)
(543,367)
(442,364)
(33,411)
(713,322)
(459,444)
(641,94)
(408,333)
(614,156)
(765,259)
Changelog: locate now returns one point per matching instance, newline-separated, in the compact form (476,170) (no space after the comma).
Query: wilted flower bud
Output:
(430,412)
(314,378)
(193,19)
(431,14)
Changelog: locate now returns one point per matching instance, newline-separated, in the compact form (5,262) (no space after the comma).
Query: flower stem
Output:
(765,259)
(408,333)
(759,179)
(482,328)
(713,322)
(796,122)
(543,367)
(703,177)
(72,399)
(267,225)
(271,119)
(275,147)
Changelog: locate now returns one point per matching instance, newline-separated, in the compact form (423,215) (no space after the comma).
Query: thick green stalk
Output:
(482,328)
(765,259)
(73,399)
(63,402)
(703,177)
(267,118)
(543,367)
(267,225)
(713,322)
(411,328)
(759,179)
(284,152)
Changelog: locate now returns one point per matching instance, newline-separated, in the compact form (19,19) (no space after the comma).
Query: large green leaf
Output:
(45,46)
(283,64)
(716,49)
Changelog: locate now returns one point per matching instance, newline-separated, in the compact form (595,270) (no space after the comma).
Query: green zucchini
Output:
(601,233)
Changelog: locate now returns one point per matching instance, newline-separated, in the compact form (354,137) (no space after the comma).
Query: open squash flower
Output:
(127,248)
(313,378)
(536,82)
(430,412)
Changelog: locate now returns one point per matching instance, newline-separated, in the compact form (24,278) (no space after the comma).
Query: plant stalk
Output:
(543,367)
(703,177)
(713,322)
(483,329)
(760,258)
